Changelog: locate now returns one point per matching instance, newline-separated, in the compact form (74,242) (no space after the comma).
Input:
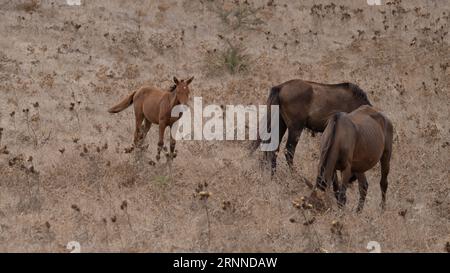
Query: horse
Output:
(152,105)
(353,143)
(306,104)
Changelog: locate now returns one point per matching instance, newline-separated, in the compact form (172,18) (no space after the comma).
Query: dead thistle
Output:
(203,194)
(30,128)
(303,206)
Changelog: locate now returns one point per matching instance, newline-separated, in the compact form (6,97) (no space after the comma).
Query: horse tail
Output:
(273,99)
(123,104)
(254,145)
(329,135)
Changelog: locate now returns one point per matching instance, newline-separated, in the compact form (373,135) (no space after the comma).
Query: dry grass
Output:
(68,174)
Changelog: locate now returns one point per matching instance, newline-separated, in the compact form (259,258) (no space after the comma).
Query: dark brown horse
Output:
(354,143)
(305,104)
(152,105)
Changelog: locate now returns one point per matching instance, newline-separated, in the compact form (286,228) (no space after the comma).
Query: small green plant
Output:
(161,180)
(232,59)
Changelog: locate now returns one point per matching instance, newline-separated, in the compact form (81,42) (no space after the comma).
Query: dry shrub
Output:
(29,6)
(237,15)
(232,59)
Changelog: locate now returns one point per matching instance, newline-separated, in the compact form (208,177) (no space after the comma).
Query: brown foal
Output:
(152,105)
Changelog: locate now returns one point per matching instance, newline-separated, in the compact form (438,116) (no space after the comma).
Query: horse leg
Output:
(384,162)
(172,154)
(353,178)
(346,175)
(292,141)
(147,125)
(336,185)
(363,186)
(162,127)
(139,116)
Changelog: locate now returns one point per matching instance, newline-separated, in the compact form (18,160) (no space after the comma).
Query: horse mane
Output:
(172,88)
(357,92)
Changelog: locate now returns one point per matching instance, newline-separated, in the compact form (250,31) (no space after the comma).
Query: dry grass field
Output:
(66,172)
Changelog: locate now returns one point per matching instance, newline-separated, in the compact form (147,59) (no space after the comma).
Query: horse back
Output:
(149,100)
(309,104)
(366,111)
(373,132)
(150,91)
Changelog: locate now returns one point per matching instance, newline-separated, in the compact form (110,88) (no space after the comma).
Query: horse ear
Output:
(190,80)
(175,80)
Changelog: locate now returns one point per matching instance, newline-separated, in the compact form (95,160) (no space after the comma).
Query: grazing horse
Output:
(304,104)
(152,105)
(354,143)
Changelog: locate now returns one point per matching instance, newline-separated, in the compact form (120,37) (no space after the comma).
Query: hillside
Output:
(66,173)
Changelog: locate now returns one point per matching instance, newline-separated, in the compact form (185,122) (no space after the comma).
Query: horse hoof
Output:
(174,155)
(158,157)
